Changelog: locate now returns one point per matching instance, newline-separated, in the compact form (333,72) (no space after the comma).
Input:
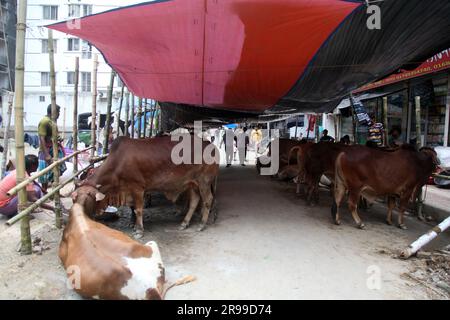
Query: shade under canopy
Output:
(252,55)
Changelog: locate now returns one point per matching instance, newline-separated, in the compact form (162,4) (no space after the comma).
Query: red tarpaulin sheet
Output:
(233,54)
(437,63)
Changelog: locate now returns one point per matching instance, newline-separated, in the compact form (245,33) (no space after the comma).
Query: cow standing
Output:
(374,173)
(135,166)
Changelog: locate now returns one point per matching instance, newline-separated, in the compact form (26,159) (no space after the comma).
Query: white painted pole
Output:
(425,239)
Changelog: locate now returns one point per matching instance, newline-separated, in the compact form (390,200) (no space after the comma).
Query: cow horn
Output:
(98,186)
(99,196)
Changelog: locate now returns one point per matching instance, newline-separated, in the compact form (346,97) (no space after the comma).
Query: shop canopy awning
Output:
(253,55)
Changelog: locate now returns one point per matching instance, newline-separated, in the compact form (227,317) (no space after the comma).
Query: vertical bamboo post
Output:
(75,114)
(108,113)
(139,118)
(385,120)
(56,170)
(127,113)
(6,135)
(418,123)
(25,236)
(94,106)
(64,124)
(419,145)
(132,116)
(152,118)
(120,111)
(144,124)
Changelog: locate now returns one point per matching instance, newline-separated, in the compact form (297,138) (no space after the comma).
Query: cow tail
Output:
(179,282)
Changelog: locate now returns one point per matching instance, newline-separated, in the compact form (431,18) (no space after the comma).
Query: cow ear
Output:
(99,196)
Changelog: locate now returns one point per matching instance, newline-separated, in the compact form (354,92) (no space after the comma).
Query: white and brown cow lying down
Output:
(136,166)
(107,264)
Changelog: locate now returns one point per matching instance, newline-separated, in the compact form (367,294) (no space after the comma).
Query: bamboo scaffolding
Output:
(24,213)
(36,175)
(6,135)
(120,111)
(108,114)
(25,236)
(98,159)
(419,202)
(56,170)
(132,116)
(94,105)
(127,113)
(75,113)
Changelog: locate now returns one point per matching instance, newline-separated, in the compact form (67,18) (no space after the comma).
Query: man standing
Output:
(242,142)
(45,130)
(227,140)
(8,204)
(326,137)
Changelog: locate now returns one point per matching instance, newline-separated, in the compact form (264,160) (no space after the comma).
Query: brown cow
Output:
(314,161)
(375,173)
(285,157)
(145,165)
(103,263)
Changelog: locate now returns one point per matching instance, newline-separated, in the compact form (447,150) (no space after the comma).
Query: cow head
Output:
(92,200)
(430,152)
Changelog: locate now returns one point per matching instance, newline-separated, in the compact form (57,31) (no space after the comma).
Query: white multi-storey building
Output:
(37,76)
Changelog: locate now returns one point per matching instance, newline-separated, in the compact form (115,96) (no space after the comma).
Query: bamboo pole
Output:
(25,236)
(94,105)
(63,135)
(418,120)
(6,135)
(75,114)
(385,119)
(132,116)
(153,110)
(139,118)
(36,175)
(56,169)
(145,118)
(23,214)
(108,114)
(120,111)
(127,113)
(425,239)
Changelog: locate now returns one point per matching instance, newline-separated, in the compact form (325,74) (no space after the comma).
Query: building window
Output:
(45,79)
(86,50)
(73,44)
(74,10)
(50,12)
(86,81)
(70,77)
(41,98)
(87,9)
(45,46)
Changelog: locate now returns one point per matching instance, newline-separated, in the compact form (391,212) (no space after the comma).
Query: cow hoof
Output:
(362,226)
(402,226)
(389,222)
(183,226)
(138,234)
(201,228)
(337,222)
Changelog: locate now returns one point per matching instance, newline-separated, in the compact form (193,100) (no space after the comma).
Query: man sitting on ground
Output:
(8,204)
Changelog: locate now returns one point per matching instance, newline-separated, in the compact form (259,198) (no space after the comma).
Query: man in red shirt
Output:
(8,204)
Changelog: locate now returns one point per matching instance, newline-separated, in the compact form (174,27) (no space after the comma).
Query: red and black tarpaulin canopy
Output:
(254,55)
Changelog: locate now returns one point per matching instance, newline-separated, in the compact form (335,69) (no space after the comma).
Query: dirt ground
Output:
(266,244)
